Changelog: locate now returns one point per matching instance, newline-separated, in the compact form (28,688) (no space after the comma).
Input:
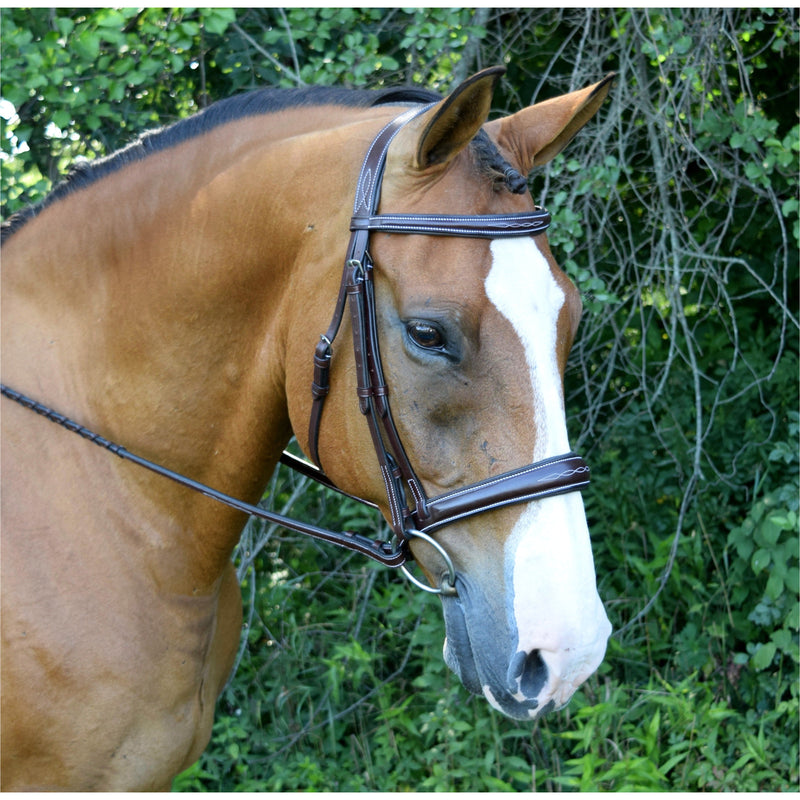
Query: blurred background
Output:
(675,211)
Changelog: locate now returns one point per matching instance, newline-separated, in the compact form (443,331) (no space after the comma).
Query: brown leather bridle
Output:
(565,473)
(413,514)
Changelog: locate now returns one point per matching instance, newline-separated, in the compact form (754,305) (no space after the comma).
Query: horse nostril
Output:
(527,673)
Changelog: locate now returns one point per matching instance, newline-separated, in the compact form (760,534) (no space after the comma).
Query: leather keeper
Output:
(321,382)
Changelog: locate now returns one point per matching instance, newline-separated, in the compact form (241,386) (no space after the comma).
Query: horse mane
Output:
(260,101)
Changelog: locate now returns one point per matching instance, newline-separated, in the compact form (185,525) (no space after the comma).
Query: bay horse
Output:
(171,298)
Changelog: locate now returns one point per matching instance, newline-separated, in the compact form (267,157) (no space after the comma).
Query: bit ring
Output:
(448,586)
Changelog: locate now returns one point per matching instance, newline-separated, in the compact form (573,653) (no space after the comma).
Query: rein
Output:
(421,516)
(380,551)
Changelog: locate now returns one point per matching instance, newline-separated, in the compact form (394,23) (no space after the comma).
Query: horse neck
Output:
(160,300)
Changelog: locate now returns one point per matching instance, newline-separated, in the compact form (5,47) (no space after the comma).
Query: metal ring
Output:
(448,586)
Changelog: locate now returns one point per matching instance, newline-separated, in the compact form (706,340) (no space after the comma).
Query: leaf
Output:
(216,20)
(87,45)
(496,785)
(781,521)
(760,560)
(62,118)
(775,585)
(111,18)
(792,619)
(742,541)
(763,656)
(789,207)
(783,640)
(755,171)
(64,25)
(737,140)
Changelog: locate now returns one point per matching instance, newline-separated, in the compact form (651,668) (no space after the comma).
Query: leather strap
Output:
(544,479)
(490,226)
(366,201)
(383,552)
(310,471)
(553,476)
(373,394)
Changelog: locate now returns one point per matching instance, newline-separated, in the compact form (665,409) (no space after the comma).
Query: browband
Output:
(489,226)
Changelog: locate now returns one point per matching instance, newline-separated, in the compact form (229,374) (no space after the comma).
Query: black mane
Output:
(260,101)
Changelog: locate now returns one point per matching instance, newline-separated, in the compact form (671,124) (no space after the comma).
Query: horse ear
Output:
(450,125)
(540,132)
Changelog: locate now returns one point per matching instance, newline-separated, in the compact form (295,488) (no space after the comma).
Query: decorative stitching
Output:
(487,226)
(508,502)
(507,475)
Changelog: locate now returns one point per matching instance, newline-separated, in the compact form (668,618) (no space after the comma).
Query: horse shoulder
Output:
(107,683)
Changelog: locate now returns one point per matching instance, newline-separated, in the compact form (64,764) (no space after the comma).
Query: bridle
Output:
(421,516)
(413,514)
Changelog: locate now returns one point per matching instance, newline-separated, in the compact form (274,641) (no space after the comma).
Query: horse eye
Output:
(425,335)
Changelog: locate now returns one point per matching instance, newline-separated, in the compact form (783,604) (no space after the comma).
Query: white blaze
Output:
(522,289)
(556,607)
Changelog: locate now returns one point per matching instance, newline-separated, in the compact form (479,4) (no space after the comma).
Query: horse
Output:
(172,296)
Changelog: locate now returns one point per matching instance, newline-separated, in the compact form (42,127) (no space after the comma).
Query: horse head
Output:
(474,336)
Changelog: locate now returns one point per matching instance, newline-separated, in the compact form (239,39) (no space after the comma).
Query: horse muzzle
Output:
(482,651)
(528,634)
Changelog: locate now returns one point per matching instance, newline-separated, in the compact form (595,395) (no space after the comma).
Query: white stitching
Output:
(508,475)
(364,187)
(507,502)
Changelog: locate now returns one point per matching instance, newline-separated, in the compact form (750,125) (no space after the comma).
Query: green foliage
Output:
(676,213)
(765,571)
(86,82)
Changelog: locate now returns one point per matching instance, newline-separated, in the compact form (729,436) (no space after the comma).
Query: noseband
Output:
(413,513)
